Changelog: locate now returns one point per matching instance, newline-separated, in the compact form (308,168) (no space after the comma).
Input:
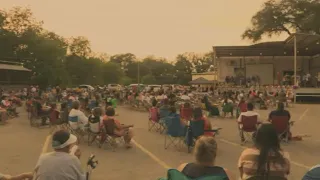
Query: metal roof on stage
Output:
(307,45)
(201,80)
(13,67)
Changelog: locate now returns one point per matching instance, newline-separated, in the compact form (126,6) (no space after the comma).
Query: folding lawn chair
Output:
(227,108)
(163,113)
(109,138)
(54,119)
(186,113)
(270,177)
(282,126)
(174,174)
(77,132)
(93,137)
(248,127)
(175,132)
(154,117)
(34,117)
(195,130)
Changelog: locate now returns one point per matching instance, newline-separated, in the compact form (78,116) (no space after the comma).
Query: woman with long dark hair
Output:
(266,160)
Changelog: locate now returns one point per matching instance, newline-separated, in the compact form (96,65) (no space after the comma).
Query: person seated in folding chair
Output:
(266,160)
(95,120)
(281,112)
(213,110)
(198,116)
(154,117)
(186,112)
(42,110)
(205,153)
(242,107)
(282,97)
(115,128)
(262,102)
(9,106)
(227,107)
(77,119)
(249,113)
(64,115)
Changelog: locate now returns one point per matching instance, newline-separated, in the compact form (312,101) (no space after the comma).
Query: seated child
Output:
(95,120)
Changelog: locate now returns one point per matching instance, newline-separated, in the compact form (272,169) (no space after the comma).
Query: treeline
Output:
(56,60)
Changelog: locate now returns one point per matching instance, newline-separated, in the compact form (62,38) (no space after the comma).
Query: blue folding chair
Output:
(163,113)
(175,132)
(195,130)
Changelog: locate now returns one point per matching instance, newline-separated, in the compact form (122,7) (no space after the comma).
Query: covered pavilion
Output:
(297,45)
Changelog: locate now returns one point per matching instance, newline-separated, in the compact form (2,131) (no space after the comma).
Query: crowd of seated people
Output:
(265,160)
(253,162)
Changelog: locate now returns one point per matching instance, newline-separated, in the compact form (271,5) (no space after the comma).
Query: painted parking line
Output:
(46,145)
(151,155)
(243,147)
(303,114)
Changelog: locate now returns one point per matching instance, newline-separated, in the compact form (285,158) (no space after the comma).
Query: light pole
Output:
(138,73)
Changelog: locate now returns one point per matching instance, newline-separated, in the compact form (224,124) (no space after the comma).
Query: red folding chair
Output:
(186,113)
(54,118)
(154,117)
(248,127)
(282,126)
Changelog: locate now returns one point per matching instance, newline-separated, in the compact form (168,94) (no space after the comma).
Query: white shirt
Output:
(248,113)
(229,101)
(95,127)
(82,119)
(185,97)
(33,89)
(161,97)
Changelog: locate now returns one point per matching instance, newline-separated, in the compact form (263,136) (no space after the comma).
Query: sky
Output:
(162,28)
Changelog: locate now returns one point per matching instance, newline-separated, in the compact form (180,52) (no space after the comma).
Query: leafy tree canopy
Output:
(285,16)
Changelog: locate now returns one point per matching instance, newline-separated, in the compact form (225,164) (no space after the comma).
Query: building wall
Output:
(226,65)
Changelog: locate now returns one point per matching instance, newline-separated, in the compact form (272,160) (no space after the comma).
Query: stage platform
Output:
(307,95)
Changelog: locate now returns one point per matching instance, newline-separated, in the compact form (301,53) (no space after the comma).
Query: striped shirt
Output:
(248,164)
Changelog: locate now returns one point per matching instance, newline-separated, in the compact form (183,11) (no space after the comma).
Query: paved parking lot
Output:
(148,159)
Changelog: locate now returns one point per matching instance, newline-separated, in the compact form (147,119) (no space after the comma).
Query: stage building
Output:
(13,74)
(270,60)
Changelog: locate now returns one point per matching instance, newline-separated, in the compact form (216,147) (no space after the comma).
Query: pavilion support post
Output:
(295,60)
(295,65)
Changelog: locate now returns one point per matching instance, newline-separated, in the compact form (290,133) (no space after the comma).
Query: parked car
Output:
(155,88)
(87,87)
(114,87)
(135,86)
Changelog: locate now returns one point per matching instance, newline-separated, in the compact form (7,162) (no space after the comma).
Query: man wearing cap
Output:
(62,164)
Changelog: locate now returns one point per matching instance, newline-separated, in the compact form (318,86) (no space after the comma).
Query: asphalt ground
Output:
(148,159)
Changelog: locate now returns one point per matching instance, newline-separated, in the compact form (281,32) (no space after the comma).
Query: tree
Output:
(285,16)
(183,69)
(80,46)
(126,80)
(148,79)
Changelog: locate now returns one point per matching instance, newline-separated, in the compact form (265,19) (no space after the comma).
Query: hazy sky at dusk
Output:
(144,27)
